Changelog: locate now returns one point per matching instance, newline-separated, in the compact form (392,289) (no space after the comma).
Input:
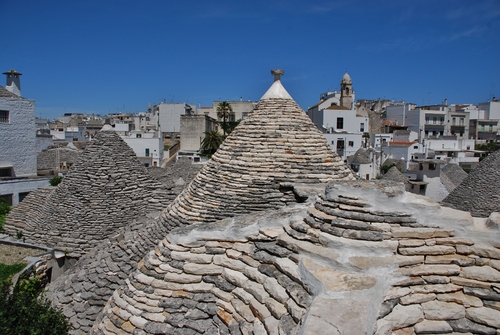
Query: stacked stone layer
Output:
(275,146)
(104,190)
(365,258)
(82,291)
(479,192)
(451,176)
(50,158)
(24,218)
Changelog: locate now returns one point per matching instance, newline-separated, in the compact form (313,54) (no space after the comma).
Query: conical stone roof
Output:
(103,191)
(364,257)
(451,176)
(479,193)
(275,146)
(395,175)
(25,218)
(361,156)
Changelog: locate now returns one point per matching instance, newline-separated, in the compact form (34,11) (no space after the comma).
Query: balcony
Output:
(434,122)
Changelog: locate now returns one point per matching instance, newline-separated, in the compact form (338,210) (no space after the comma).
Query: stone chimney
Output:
(277,73)
(13,82)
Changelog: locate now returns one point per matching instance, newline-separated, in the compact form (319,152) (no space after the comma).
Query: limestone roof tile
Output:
(104,189)
(479,192)
(4,93)
(274,147)
(395,175)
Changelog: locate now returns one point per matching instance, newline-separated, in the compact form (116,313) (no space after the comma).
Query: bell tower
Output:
(346,92)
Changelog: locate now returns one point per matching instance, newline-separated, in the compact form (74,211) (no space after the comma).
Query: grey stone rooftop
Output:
(451,176)
(255,169)
(256,244)
(103,191)
(364,258)
(479,192)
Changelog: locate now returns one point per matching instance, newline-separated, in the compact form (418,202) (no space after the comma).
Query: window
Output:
(23,195)
(415,147)
(232,117)
(147,152)
(453,121)
(6,172)
(362,127)
(340,123)
(351,143)
(4,116)
(7,198)
(491,127)
(138,135)
(340,144)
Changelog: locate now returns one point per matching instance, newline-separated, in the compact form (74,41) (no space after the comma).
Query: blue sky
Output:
(110,56)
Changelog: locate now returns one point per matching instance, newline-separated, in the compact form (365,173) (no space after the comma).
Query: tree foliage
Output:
(56,180)
(4,210)
(230,125)
(224,109)
(25,311)
(212,141)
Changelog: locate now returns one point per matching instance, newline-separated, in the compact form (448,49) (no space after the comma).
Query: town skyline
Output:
(117,57)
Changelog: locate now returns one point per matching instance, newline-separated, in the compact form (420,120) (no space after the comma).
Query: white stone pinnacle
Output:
(277,90)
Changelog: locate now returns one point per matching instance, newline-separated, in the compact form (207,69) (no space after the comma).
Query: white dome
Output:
(347,78)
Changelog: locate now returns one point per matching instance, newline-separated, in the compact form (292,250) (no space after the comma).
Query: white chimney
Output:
(13,82)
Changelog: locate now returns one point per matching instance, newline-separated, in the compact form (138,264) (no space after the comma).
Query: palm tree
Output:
(212,141)
(224,109)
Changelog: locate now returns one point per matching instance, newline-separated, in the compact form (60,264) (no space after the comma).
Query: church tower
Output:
(346,92)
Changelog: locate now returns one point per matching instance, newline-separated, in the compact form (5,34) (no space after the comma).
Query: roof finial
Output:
(277,73)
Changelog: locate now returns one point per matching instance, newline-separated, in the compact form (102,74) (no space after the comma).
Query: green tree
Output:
(56,180)
(4,210)
(230,125)
(212,141)
(224,109)
(26,311)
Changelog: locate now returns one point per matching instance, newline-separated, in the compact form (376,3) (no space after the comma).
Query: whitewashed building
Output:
(147,145)
(18,169)
(336,117)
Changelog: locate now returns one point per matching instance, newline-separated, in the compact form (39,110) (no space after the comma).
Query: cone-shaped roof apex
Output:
(277,91)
